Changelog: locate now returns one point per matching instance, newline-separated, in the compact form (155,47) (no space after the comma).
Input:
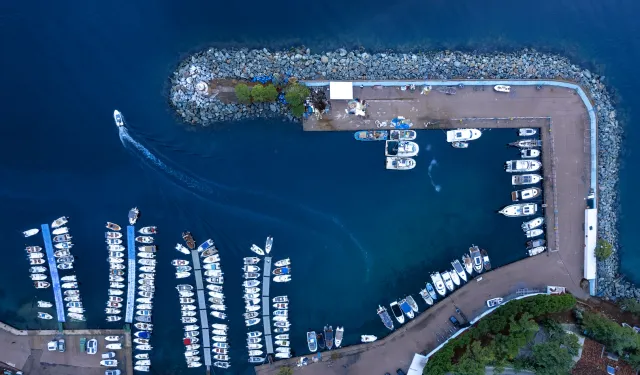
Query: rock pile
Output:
(198,106)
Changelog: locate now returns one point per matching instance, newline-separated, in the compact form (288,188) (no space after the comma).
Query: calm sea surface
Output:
(358,236)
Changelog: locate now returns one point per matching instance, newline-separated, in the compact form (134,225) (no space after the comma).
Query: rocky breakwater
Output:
(200,96)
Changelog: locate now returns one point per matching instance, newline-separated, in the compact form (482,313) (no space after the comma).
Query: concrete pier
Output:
(53,270)
(266,317)
(202,308)
(131,273)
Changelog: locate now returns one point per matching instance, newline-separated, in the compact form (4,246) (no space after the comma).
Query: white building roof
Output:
(417,365)
(590,243)
(340,90)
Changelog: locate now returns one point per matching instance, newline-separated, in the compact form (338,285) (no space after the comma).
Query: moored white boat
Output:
(183,249)
(525,179)
(403,149)
(268,244)
(399,163)
(133,215)
(256,249)
(532,224)
(534,233)
(148,230)
(446,277)
(61,230)
(59,222)
(526,165)
(283,262)
(525,194)
(426,297)
(368,338)
(526,132)
(438,283)
(397,311)
(144,239)
(459,270)
(519,209)
(536,250)
(463,135)
(282,278)
(529,153)
(31,232)
(454,277)
(474,251)
(205,245)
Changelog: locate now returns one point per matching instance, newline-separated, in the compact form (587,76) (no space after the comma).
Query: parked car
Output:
(108,355)
(61,346)
(400,372)
(454,321)
(112,372)
(92,346)
(52,346)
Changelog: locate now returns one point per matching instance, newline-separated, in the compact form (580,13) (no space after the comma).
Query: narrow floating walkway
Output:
(202,307)
(53,269)
(266,318)
(131,275)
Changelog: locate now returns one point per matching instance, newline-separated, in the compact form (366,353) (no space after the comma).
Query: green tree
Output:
(298,110)
(258,94)
(296,94)
(631,305)
(555,356)
(616,338)
(270,93)
(285,370)
(603,249)
(243,93)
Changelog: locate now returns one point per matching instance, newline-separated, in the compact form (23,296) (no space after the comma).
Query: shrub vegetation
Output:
(243,93)
(603,249)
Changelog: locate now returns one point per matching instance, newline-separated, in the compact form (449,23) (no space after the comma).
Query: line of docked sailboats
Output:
(532,228)
(281,324)
(252,298)
(441,283)
(399,146)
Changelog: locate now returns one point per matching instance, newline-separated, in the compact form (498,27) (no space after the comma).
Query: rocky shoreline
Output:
(197,101)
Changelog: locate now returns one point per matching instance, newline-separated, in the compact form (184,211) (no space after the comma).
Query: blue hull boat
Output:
(432,292)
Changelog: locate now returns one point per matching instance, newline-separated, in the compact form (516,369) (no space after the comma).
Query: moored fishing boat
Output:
(474,251)
(512,166)
(459,270)
(133,215)
(485,259)
(59,222)
(438,283)
(525,179)
(370,135)
(31,232)
(519,209)
(148,230)
(446,277)
(399,163)
(397,311)
(328,337)
(524,194)
(113,226)
(402,135)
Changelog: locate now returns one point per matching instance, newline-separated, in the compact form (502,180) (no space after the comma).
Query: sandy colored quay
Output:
(27,351)
(564,121)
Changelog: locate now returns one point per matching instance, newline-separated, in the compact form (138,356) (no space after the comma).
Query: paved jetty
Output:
(266,318)
(202,308)
(53,270)
(131,273)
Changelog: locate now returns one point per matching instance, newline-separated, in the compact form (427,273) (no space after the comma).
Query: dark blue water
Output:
(358,235)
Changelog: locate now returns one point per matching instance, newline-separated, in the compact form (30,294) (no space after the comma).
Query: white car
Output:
(494,302)
(109,363)
(92,346)
(52,346)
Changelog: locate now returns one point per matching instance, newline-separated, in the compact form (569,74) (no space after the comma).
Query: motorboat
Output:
(215,288)
(78,310)
(74,304)
(212,269)
(402,135)
(149,269)
(528,153)
(188,239)
(143,334)
(109,363)
(144,326)
(494,302)
(250,283)
(252,322)
(183,268)
(110,310)
(287,343)
(147,249)
(35,255)
(432,291)
(184,287)
(75,315)
(147,255)
(38,276)
(459,270)
(256,346)
(112,235)
(536,250)
(256,249)
(113,226)
(368,338)
(535,243)
(113,241)
(61,230)
(253,340)
(147,262)
(463,135)
(282,278)
(44,304)
(251,308)
(115,247)
(371,135)
(217,338)
(397,312)
(281,329)
(144,239)
(412,303)
(268,244)
(145,294)
(282,337)
(205,245)
(45,316)
(221,315)
(534,233)
(213,259)
(34,262)
(525,179)
(250,315)
(181,248)
(281,305)
(113,260)
(179,262)
(216,294)
(31,232)
(133,215)
(73,285)
(191,327)
(33,249)
(399,163)
(438,283)
(184,300)
(250,275)
(454,277)
(406,308)
(113,318)
(59,222)
(485,259)
(71,292)
(220,364)
(116,285)
(281,271)
(254,301)
(63,245)
(476,257)
(254,334)
(527,143)
(502,88)
(148,230)
(525,194)
(426,297)
(251,260)
(116,272)
(446,277)
(143,319)
(38,269)
(114,346)
(459,144)
(281,312)
(280,319)
(283,355)
(256,359)
(186,294)
(520,209)
(283,262)
(218,280)
(194,364)
(532,224)
(527,132)
(280,299)
(192,347)
(404,149)
(143,347)
(512,166)
(141,341)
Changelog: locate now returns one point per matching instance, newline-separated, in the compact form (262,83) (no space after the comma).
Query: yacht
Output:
(447,280)
(117,117)
(370,135)
(485,259)
(328,337)
(282,263)
(280,299)
(250,275)
(113,226)
(525,179)
(45,316)
(459,270)
(534,233)
(251,260)
(426,297)
(459,144)
(188,239)
(134,213)
(61,230)
(62,238)
(524,194)
(112,235)
(268,244)
(463,135)
(148,230)
(477,258)
(432,292)
(454,277)
(528,153)
(282,278)
(38,269)
(400,164)
(397,312)
(368,338)
(532,224)
(59,222)
(527,143)
(520,209)
(438,283)
(536,250)
(205,245)
(181,248)
(402,135)
(512,166)
(502,88)
(401,149)
(31,232)
(257,249)
(144,239)
(527,132)
(535,243)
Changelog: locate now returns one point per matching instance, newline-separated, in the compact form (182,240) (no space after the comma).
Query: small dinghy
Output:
(45,316)
(251,260)
(61,230)
(368,338)
(534,233)
(31,232)
(282,278)
(526,132)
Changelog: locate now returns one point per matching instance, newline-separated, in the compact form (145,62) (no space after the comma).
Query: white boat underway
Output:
(117,117)
(31,232)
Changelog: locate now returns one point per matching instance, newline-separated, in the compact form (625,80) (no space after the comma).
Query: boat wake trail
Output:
(206,190)
(436,187)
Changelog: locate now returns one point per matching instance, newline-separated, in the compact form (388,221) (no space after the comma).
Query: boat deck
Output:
(53,269)
(202,308)
(266,318)
(131,275)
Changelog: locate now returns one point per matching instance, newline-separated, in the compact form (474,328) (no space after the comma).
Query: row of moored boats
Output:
(328,339)
(400,149)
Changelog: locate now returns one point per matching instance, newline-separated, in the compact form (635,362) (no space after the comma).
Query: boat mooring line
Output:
(131,273)
(266,318)
(53,269)
(202,307)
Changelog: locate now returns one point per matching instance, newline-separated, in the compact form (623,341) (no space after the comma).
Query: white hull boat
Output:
(526,179)
(536,250)
(368,338)
(399,163)
(268,244)
(463,135)
(502,88)
(256,249)
(527,132)
(525,194)
(459,270)
(529,153)
(520,209)
(283,262)
(513,166)
(454,277)
(403,149)
(532,224)
(446,277)
(31,232)
(438,283)
(534,233)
